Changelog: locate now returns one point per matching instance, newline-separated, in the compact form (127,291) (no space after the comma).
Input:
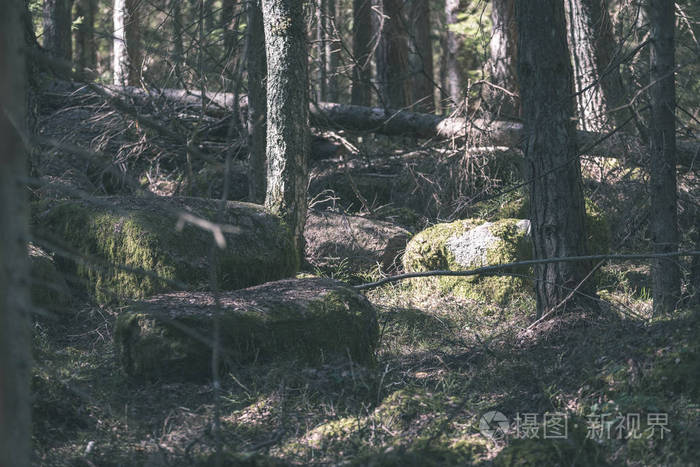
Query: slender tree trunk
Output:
(392,55)
(257,105)
(85,45)
(57,24)
(288,142)
(451,74)
(423,53)
(15,354)
(361,48)
(228,10)
(321,65)
(332,52)
(178,47)
(502,64)
(551,161)
(126,63)
(597,82)
(662,173)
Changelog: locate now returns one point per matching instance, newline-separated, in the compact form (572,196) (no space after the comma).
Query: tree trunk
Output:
(597,82)
(451,75)
(257,106)
(502,64)
(126,63)
(321,65)
(662,172)
(423,56)
(178,47)
(15,353)
(557,213)
(288,142)
(332,52)
(85,45)
(392,55)
(361,48)
(57,24)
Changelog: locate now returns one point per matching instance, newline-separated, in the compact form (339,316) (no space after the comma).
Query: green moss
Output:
(167,340)
(429,250)
(133,249)
(597,229)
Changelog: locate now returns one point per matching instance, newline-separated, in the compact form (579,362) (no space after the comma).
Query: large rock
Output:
(133,249)
(332,237)
(312,320)
(469,244)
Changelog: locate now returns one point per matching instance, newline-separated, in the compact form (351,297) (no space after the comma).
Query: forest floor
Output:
(456,382)
(442,365)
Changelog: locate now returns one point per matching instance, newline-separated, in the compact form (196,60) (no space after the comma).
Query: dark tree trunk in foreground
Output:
(57,24)
(15,360)
(288,142)
(662,173)
(391,55)
(257,105)
(361,48)
(551,162)
(597,82)
(423,51)
(126,61)
(502,64)
(85,45)
(451,75)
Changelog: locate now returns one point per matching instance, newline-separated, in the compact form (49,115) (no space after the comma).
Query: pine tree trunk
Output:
(662,173)
(502,64)
(257,106)
(551,161)
(450,72)
(288,142)
(361,47)
(391,56)
(126,59)
(57,24)
(85,45)
(590,41)
(15,353)
(423,56)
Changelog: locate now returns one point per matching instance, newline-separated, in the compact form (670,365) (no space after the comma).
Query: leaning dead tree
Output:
(360,119)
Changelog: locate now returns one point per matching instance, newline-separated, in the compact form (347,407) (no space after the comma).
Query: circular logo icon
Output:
(493,425)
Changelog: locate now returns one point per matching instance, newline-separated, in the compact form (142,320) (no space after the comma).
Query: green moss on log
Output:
(139,235)
(311,320)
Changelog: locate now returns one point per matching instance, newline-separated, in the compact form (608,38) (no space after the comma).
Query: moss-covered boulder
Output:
(312,320)
(132,248)
(364,243)
(469,244)
(48,288)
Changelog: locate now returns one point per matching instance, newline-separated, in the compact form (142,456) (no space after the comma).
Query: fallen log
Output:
(359,119)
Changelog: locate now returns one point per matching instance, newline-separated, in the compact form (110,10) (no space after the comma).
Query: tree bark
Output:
(178,47)
(85,45)
(451,74)
(662,181)
(257,106)
(556,196)
(391,56)
(57,25)
(502,63)
(15,353)
(288,142)
(597,81)
(126,63)
(361,47)
(423,56)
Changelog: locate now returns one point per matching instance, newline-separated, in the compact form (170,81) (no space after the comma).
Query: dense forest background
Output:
(277,232)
